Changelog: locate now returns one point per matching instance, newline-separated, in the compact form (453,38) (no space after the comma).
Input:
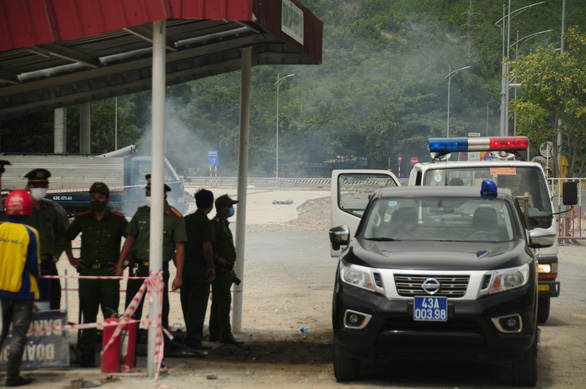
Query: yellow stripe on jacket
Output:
(19,261)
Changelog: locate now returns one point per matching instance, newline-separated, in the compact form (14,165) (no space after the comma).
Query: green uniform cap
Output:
(100,187)
(224,201)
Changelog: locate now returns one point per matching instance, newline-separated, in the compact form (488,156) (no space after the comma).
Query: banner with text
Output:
(48,349)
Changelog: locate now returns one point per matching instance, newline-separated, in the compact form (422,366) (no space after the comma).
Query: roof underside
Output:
(40,70)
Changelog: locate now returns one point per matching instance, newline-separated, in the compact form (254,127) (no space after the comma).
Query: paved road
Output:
(562,359)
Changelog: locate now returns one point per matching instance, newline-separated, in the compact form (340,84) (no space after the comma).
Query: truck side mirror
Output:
(540,238)
(339,236)
(570,193)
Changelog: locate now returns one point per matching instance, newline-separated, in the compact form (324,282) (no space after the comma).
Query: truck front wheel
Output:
(543,304)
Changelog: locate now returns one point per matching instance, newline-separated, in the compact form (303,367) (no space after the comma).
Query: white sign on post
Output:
(292,20)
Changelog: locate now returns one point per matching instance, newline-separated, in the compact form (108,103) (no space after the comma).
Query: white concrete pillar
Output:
(157,170)
(242,183)
(85,127)
(60,131)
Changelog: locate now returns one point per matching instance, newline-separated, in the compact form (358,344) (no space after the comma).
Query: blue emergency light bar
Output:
(504,143)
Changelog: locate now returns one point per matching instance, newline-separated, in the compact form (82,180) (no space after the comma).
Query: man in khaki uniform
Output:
(101,234)
(138,243)
(50,220)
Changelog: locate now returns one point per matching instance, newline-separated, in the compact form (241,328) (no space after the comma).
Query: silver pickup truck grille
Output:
(450,286)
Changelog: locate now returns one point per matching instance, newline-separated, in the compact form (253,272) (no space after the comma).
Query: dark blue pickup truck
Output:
(73,174)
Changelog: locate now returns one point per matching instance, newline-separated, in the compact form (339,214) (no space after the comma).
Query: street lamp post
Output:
(506,32)
(449,77)
(515,86)
(279,80)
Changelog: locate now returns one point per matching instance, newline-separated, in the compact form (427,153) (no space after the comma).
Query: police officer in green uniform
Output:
(138,243)
(51,221)
(101,235)
(225,256)
(198,269)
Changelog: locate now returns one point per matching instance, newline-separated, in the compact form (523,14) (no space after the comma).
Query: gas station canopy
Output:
(58,53)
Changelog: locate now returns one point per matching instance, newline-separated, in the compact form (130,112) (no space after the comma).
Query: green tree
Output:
(552,98)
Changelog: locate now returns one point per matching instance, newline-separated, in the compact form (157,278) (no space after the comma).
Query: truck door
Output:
(415,175)
(350,195)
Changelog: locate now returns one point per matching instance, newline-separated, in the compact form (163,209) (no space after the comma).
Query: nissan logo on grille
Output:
(431,286)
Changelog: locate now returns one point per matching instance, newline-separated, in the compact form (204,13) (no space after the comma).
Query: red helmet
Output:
(19,203)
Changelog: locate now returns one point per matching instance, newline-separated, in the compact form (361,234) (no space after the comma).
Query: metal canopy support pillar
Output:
(60,131)
(157,182)
(85,127)
(242,180)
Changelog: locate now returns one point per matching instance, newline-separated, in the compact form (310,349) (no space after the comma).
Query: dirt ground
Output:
(289,277)
(272,311)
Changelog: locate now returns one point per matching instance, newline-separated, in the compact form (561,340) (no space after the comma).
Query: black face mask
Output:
(98,206)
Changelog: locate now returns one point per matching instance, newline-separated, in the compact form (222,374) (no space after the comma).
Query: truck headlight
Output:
(508,279)
(356,275)
(547,270)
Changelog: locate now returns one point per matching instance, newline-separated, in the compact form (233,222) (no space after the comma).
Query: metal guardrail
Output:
(261,182)
(569,223)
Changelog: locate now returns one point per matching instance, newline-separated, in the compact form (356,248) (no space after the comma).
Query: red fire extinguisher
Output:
(110,357)
(128,346)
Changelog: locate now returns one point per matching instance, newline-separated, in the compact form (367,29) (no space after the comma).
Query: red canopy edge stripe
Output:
(26,23)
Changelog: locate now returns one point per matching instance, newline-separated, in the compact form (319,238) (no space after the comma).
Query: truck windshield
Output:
(439,219)
(522,181)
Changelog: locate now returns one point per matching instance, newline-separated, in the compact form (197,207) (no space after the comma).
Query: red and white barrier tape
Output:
(84,326)
(97,277)
(154,286)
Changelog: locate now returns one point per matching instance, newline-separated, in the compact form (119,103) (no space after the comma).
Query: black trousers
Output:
(195,293)
(140,270)
(19,312)
(49,268)
(133,286)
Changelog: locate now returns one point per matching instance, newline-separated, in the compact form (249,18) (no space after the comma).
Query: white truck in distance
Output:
(523,178)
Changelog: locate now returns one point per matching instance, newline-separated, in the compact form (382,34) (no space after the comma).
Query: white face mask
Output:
(38,193)
(148,201)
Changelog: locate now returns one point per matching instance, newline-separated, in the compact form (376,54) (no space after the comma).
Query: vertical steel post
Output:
(157,178)
(242,181)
